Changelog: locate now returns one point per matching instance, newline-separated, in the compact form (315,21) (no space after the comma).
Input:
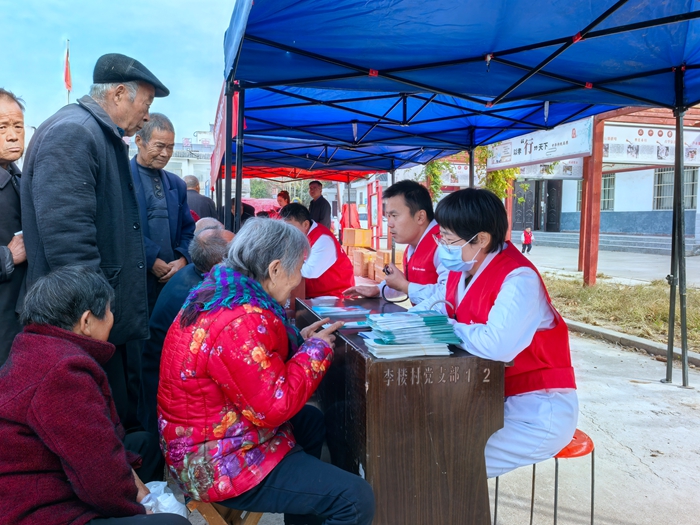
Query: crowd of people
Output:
(137,333)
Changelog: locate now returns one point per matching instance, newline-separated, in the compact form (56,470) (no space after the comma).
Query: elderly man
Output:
(207,249)
(207,223)
(78,199)
(319,207)
(202,205)
(166,222)
(12,255)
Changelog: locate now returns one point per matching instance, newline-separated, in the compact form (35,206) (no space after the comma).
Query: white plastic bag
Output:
(162,500)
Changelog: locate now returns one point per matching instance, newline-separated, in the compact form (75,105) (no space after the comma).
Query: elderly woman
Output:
(501,311)
(62,459)
(235,373)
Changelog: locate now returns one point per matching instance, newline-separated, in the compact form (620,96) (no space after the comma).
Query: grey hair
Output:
(261,241)
(190,180)
(207,223)
(99,91)
(64,295)
(9,95)
(208,249)
(156,121)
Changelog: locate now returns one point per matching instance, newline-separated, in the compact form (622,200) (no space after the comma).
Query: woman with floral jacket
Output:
(234,380)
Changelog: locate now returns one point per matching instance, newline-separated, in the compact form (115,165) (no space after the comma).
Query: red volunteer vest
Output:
(338,278)
(527,237)
(546,363)
(421,268)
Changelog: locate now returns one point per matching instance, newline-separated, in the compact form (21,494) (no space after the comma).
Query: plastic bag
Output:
(162,500)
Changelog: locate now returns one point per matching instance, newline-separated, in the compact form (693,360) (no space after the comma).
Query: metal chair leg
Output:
(556,488)
(592,484)
(495,504)
(532,499)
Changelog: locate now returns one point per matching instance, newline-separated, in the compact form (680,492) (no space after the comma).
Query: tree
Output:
(498,181)
(431,176)
(261,189)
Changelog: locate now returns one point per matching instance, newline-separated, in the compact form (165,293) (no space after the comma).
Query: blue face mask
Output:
(451,257)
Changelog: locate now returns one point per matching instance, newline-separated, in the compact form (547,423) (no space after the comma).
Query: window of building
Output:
(663,188)
(607,195)
(579,191)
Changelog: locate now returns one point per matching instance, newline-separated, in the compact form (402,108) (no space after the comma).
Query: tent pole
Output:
(239,160)
(471,157)
(348,199)
(678,273)
(471,167)
(219,198)
(228,159)
(393,241)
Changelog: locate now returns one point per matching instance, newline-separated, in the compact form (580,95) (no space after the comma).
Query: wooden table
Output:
(415,428)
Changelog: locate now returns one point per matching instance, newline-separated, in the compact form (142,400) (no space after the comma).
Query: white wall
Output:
(569,196)
(634,190)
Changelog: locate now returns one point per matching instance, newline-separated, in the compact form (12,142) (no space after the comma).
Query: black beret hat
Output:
(113,67)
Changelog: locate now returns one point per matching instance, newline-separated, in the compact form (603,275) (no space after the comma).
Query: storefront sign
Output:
(459,176)
(566,141)
(648,145)
(565,169)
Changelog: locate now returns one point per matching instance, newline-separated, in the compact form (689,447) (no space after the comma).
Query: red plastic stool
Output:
(581,445)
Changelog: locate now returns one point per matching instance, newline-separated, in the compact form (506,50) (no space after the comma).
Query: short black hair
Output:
(61,297)
(473,210)
(263,214)
(416,195)
(297,212)
(9,95)
(316,182)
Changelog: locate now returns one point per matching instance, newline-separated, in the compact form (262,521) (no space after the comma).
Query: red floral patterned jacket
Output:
(227,389)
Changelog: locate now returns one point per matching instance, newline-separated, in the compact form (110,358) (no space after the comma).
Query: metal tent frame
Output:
(599,63)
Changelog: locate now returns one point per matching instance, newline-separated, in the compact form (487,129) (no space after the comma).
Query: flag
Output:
(66,70)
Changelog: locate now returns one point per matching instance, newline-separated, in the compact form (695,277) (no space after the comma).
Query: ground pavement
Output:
(647,448)
(622,266)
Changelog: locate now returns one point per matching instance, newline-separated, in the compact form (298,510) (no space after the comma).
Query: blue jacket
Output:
(179,216)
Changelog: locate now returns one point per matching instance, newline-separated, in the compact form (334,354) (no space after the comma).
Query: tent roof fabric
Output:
(610,52)
(364,121)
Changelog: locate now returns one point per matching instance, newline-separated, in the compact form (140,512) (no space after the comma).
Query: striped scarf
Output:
(226,288)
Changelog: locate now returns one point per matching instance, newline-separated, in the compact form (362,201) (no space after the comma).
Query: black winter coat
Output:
(11,276)
(79,207)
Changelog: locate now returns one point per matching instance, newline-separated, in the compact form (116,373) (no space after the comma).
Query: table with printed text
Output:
(414,428)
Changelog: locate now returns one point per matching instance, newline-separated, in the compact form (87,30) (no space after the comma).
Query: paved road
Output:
(647,458)
(620,265)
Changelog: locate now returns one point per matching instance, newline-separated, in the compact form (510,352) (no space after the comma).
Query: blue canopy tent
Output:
(487,53)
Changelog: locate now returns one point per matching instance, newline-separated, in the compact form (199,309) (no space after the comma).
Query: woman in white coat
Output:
(501,311)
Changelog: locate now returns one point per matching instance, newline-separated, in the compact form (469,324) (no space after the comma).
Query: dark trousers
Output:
(147,446)
(527,247)
(143,519)
(306,489)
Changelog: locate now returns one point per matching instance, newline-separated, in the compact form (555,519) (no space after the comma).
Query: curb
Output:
(651,347)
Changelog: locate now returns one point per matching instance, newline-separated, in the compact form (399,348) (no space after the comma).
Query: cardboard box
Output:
(370,271)
(357,237)
(361,259)
(378,270)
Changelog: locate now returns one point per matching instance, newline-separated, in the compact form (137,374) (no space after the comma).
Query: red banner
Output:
(66,70)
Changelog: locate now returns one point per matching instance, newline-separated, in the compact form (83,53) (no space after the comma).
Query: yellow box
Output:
(357,237)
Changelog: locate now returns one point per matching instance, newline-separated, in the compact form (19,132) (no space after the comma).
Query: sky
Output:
(181,42)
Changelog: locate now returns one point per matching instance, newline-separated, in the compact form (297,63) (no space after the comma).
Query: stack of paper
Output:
(409,334)
(339,311)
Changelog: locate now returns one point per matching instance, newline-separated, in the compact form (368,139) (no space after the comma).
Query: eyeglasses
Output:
(449,245)
(442,242)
